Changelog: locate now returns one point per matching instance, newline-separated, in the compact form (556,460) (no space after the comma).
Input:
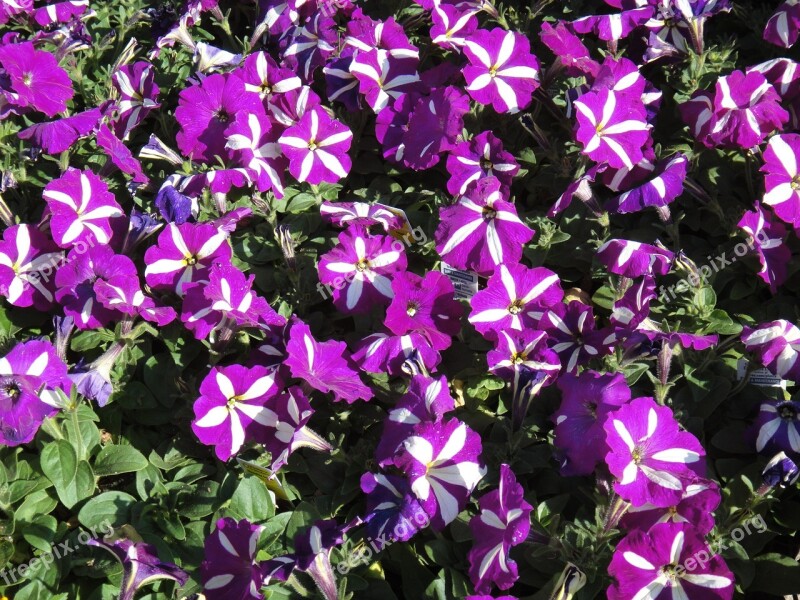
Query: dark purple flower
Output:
(633,259)
(783,27)
(767,239)
(482,156)
(392,509)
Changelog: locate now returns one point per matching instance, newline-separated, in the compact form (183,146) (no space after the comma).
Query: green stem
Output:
(51,428)
(73,415)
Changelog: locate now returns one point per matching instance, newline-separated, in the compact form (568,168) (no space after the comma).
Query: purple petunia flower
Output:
(232,408)
(573,335)
(122,292)
(55,137)
(571,54)
(663,563)
(783,27)
(35,79)
(452,26)
(779,471)
(633,259)
(428,399)
(612,127)
(612,27)
(309,45)
(255,137)
(501,70)
(119,154)
(504,522)
(435,124)
(32,380)
(482,230)
(482,156)
(586,400)
(140,565)
(138,96)
(361,214)
(81,208)
(781,173)
(767,239)
(741,112)
(518,353)
(262,75)
(777,427)
(392,508)
(183,254)
(664,184)
(776,346)
(360,268)
(317,148)
(651,457)
(382,78)
(441,461)
(28,259)
(514,299)
(325,366)
(696,507)
(386,353)
(206,110)
(229,567)
(426,306)
(77,281)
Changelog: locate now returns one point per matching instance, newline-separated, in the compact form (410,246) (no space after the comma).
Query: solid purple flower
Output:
(514,299)
(441,460)
(173,206)
(482,156)
(633,259)
(425,305)
(504,522)
(317,148)
(482,230)
(28,260)
(612,127)
(183,254)
(35,79)
(325,366)
(81,208)
(781,176)
(32,380)
(501,70)
(586,400)
(434,126)
(206,110)
(119,154)
(140,565)
(55,137)
(651,457)
(360,267)
(656,564)
(232,408)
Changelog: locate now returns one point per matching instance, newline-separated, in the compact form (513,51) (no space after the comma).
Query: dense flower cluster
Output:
(334,237)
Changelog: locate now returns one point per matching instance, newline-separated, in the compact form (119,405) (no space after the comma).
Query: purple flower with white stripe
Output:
(776,345)
(232,408)
(183,254)
(364,264)
(696,507)
(651,457)
(782,176)
(612,127)
(386,353)
(28,259)
(308,46)
(573,334)
(777,427)
(138,96)
(32,380)
(783,27)
(633,259)
(452,26)
(361,214)
(514,299)
(255,138)
(504,522)
(263,76)
(501,70)
(382,78)
(482,156)
(768,241)
(81,208)
(664,185)
(654,564)
(482,230)
(441,460)
(612,27)
(317,148)
(392,509)
(517,353)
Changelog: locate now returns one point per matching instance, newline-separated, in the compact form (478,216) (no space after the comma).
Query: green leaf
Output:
(117,459)
(73,479)
(114,507)
(251,501)
(776,574)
